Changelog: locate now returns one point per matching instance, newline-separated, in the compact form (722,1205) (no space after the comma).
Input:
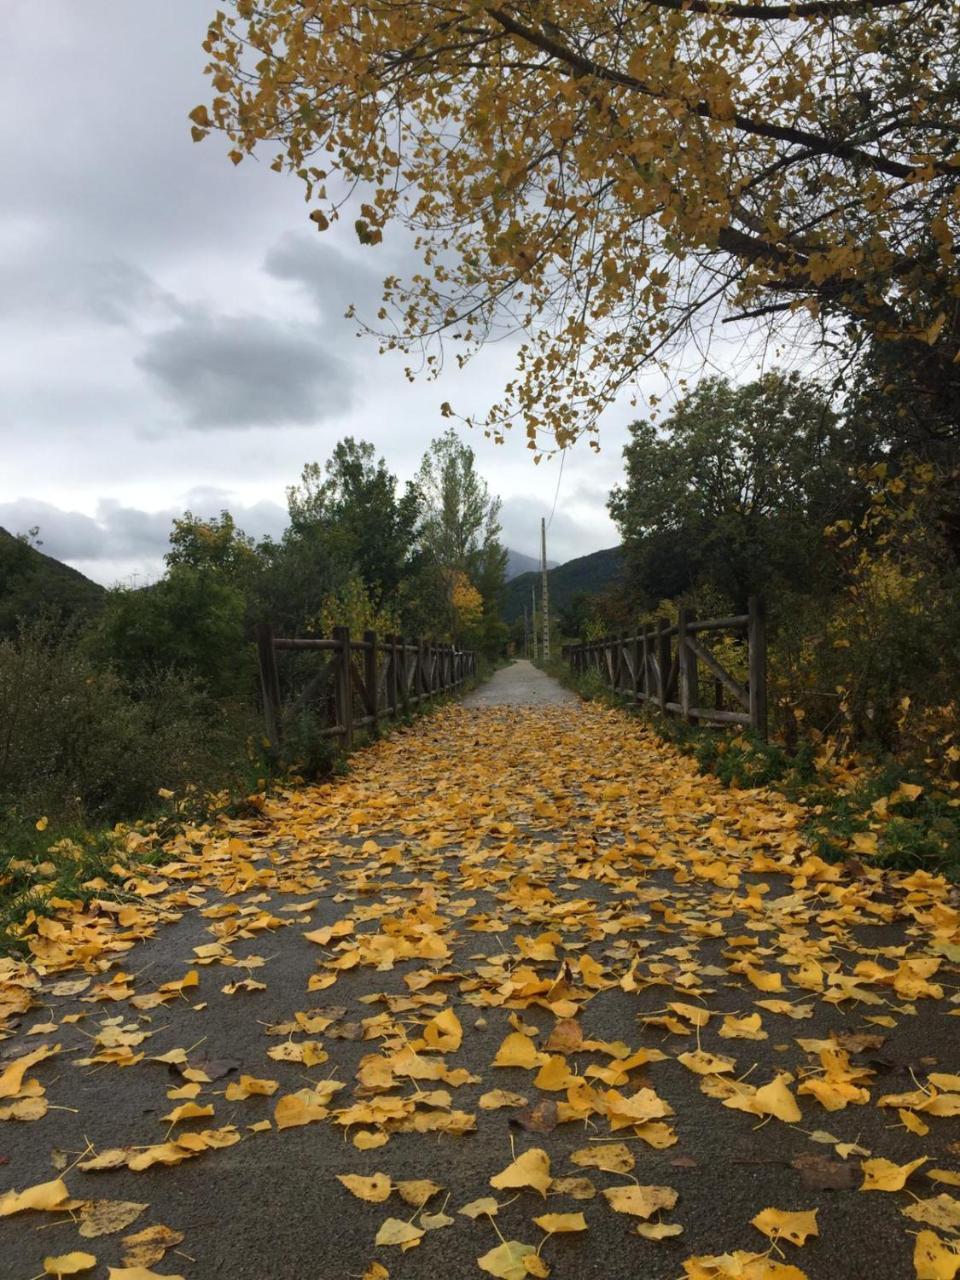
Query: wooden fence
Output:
(355,684)
(675,669)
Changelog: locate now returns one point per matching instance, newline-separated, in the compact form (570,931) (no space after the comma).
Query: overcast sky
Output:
(171,327)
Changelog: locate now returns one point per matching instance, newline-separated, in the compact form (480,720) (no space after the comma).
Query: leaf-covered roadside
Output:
(890,812)
(76,861)
(523,991)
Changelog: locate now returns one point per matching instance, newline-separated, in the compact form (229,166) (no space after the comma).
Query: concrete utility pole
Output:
(526,633)
(543,579)
(533,622)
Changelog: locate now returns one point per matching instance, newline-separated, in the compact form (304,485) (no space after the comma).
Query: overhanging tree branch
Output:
(815,143)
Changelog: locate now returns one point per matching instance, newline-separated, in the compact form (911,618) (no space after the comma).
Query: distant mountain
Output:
(31,582)
(586,575)
(518,563)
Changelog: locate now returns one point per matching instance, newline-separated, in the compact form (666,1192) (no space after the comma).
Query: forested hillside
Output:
(31,582)
(571,587)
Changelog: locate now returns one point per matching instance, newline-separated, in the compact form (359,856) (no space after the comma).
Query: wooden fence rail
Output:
(360,683)
(664,665)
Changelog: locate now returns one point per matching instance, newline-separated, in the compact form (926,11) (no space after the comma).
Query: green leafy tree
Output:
(348,518)
(355,503)
(735,488)
(213,545)
(190,621)
(460,534)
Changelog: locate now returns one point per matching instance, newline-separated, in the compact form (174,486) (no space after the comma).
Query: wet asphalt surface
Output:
(270,1206)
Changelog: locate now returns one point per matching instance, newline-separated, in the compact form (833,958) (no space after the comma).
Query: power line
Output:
(563,458)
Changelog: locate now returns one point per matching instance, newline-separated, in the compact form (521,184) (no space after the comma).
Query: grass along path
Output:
(524,962)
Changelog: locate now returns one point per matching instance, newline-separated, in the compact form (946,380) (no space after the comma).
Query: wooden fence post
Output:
(683,656)
(404,675)
(663,664)
(757,658)
(371,678)
(686,666)
(392,675)
(269,682)
(344,686)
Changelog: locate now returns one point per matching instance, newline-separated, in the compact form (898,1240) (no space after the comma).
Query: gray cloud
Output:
(332,280)
(120,538)
(43,283)
(62,533)
(152,289)
(243,371)
(573,529)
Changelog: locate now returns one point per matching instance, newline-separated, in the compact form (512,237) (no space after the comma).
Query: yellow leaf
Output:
(779,1224)
(640,1202)
(374,1189)
(395,1231)
(554,1075)
(417,1191)
(703,1063)
(518,1050)
(11,1078)
(248,1087)
(138,1273)
(912,1121)
(364,1140)
(69,1264)
(884,1175)
(740,1265)
(613,1157)
(434,1221)
(762,980)
(748,1028)
(443,1033)
(658,1230)
(496,1098)
(795,1011)
(864,841)
(145,1247)
(486,1204)
(561,1222)
(934,1259)
(42,823)
(294,1110)
(104,1217)
(44,1196)
(773,1099)
(532,1169)
(25,1109)
(188,1111)
(942,1211)
(508,1261)
(575,1188)
(536,1266)
(693,1013)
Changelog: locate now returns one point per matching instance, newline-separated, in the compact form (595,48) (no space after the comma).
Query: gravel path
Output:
(520,685)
